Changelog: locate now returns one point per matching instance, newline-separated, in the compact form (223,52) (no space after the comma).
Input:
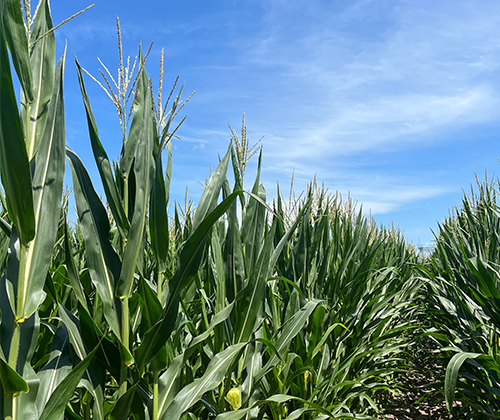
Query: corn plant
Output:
(32,173)
(463,299)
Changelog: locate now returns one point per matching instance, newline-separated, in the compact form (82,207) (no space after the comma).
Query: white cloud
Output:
(342,88)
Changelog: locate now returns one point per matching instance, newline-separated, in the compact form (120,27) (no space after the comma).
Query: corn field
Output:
(240,308)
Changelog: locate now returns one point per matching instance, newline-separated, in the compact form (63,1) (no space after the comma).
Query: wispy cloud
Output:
(340,88)
(342,79)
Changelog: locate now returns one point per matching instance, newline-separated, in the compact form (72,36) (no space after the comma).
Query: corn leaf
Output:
(54,408)
(42,60)
(56,369)
(103,165)
(189,260)
(143,169)
(208,200)
(103,261)
(214,374)
(450,380)
(15,33)
(14,164)
(48,178)
(249,300)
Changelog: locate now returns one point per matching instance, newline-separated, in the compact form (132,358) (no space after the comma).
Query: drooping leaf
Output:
(450,380)
(103,261)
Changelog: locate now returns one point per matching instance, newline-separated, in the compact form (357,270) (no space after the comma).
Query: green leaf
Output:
(168,383)
(14,164)
(143,169)
(103,164)
(56,404)
(108,354)
(136,127)
(56,369)
(158,219)
(208,200)
(48,178)
(15,33)
(151,308)
(74,278)
(12,382)
(249,300)
(42,60)
(450,380)
(103,261)
(214,374)
(254,220)
(121,409)
(290,330)
(189,260)
(234,260)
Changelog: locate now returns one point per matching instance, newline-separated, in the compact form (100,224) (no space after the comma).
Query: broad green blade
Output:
(108,354)
(290,330)
(74,278)
(450,380)
(103,261)
(158,218)
(168,383)
(208,200)
(136,127)
(47,179)
(250,299)
(121,408)
(219,271)
(143,169)
(57,368)
(280,398)
(56,404)
(254,220)
(214,374)
(73,329)
(234,260)
(14,164)
(103,164)
(189,260)
(12,382)
(151,308)
(13,27)
(42,59)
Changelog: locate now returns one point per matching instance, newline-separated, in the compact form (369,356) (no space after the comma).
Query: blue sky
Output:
(397,102)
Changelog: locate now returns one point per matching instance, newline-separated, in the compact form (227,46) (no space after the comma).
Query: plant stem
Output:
(159,283)
(125,340)
(14,346)
(155,389)
(9,407)
(156,373)
(22,285)
(125,195)
(10,401)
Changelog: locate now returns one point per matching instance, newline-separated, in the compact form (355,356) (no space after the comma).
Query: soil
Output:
(422,395)
(417,384)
